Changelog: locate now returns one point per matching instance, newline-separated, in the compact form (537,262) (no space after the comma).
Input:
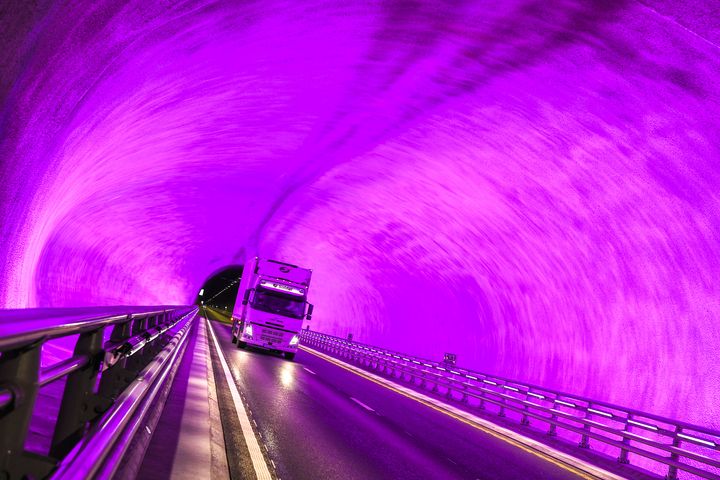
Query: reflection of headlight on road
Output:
(286,375)
(248,330)
(295,340)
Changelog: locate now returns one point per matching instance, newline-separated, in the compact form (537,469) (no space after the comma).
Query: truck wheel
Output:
(241,344)
(290,356)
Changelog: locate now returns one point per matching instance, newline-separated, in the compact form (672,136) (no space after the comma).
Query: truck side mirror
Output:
(309,311)
(246,297)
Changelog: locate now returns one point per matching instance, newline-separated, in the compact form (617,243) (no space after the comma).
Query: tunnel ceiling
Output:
(532,185)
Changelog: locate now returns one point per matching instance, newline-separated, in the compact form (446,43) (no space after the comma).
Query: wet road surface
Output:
(318,420)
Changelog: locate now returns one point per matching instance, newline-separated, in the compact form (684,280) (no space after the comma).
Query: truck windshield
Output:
(276,302)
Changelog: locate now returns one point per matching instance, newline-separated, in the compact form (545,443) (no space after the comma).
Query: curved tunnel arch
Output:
(532,186)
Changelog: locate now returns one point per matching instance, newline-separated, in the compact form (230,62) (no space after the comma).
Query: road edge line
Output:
(262,472)
(545,452)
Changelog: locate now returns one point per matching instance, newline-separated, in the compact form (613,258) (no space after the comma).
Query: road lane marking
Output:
(309,371)
(262,472)
(361,404)
(567,462)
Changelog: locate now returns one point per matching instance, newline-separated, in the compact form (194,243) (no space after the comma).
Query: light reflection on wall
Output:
(532,186)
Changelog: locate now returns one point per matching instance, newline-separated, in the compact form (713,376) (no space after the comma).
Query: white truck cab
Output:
(271,305)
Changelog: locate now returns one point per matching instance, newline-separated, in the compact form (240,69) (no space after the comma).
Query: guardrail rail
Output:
(104,378)
(667,443)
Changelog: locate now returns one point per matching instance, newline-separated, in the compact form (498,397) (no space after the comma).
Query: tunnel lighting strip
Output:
(490,382)
(699,440)
(471,377)
(567,404)
(536,395)
(644,425)
(566,462)
(600,412)
(262,472)
(511,388)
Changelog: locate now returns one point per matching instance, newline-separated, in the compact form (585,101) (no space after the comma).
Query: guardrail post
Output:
(672,470)
(137,361)
(525,421)
(449,393)
(116,378)
(501,413)
(78,405)
(585,440)
(552,431)
(19,371)
(481,405)
(624,453)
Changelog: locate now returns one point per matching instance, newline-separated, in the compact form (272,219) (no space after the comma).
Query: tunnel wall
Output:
(532,186)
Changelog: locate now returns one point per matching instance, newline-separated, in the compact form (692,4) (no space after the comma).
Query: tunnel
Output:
(529,185)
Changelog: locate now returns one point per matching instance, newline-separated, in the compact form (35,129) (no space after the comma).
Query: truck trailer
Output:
(271,305)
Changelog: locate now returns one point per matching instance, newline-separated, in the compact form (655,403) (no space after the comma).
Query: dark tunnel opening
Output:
(220,289)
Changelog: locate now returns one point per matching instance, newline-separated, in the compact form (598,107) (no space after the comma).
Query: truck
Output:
(271,305)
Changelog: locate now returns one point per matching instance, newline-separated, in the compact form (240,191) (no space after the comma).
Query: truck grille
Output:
(270,335)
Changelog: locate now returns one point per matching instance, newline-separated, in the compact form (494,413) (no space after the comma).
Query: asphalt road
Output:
(319,421)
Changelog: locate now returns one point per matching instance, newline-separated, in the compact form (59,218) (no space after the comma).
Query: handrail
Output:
(60,369)
(559,410)
(96,374)
(15,334)
(90,455)
(530,386)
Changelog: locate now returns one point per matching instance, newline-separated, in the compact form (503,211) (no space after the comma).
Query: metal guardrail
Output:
(97,375)
(99,452)
(663,441)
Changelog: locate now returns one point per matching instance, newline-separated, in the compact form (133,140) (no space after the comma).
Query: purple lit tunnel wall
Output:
(532,185)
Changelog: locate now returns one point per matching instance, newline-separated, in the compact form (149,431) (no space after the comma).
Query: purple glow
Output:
(530,185)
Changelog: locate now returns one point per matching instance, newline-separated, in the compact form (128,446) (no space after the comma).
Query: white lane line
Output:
(361,404)
(575,465)
(262,472)
(309,371)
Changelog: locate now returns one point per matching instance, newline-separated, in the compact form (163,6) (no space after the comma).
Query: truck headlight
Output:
(248,330)
(295,340)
